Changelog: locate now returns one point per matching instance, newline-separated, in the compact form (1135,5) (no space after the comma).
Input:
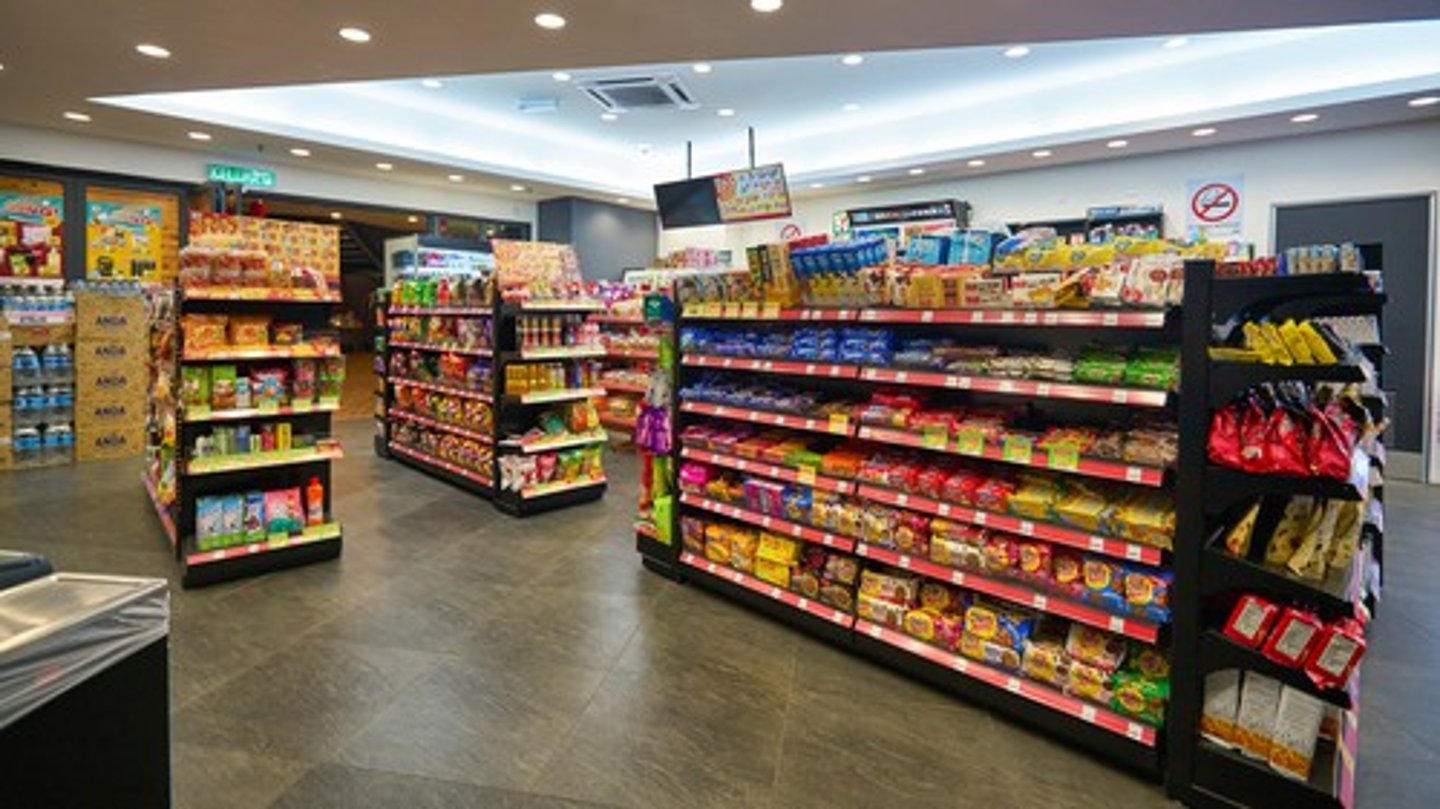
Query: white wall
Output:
(67,150)
(1358,163)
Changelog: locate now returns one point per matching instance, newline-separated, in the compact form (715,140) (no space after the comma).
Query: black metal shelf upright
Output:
(1198,772)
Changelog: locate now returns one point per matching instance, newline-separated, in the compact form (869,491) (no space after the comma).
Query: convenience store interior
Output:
(480,643)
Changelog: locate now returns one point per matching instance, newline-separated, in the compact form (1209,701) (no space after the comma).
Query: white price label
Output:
(943,509)
(765,521)
(1027,528)
(1119,396)
(903,562)
(1117,624)
(803,603)
(1007,317)
(1133,474)
(927,316)
(902,499)
(871,375)
(1040,602)
(1132,552)
(1042,390)
(727,362)
(1110,319)
(1097,544)
(957,578)
(977,317)
(809,368)
(1012,685)
(775,593)
(1087,712)
(902,377)
(961,665)
(1006,386)
(1134,731)
(1051,318)
(1030,318)
(981,518)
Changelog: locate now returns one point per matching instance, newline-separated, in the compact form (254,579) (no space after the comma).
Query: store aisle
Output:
(455,657)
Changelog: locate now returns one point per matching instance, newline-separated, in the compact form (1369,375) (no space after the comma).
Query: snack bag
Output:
(1289,642)
(1141,698)
(1255,722)
(1221,708)
(1334,655)
(1095,647)
(1045,661)
(1297,728)
(1105,583)
(1250,621)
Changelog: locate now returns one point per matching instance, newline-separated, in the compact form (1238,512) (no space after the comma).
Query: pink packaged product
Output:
(302,390)
(693,477)
(765,496)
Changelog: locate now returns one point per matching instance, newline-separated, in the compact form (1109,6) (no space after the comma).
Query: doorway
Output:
(1402,229)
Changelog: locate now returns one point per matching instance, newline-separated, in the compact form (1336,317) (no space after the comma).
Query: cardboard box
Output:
(110,368)
(109,444)
(30,335)
(117,318)
(100,413)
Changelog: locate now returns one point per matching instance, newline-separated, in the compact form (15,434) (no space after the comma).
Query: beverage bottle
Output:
(314,502)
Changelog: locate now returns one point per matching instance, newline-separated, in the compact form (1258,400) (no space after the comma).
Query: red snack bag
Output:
(994,495)
(1334,655)
(1330,448)
(1002,555)
(1036,562)
(1254,438)
(1295,631)
(1286,447)
(1224,444)
(931,481)
(961,487)
(1068,573)
(1250,621)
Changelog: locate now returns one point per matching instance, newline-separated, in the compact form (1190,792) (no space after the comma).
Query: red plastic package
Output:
(1334,655)
(1250,621)
(1330,448)
(1254,438)
(1224,444)
(1286,447)
(1290,641)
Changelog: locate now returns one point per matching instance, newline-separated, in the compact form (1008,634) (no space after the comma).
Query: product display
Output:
(243,385)
(38,396)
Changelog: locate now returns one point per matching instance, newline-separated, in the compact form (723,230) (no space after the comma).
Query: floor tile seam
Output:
(215,685)
(451,781)
(785,722)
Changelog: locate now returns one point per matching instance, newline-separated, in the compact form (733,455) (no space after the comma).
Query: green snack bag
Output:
(195,386)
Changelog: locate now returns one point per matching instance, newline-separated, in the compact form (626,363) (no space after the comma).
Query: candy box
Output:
(284,512)
(1290,640)
(1138,697)
(1255,721)
(1095,647)
(222,387)
(254,520)
(1250,621)
(765,496)
(1221,707)
(983,293)
(1297,728)
(1036,289)
(797,503)
(195,386)
(232,518)
(692,534)
(209,523)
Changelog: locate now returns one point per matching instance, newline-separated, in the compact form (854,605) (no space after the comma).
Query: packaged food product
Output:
(195,386)
(284,512)
(957,545)
(881,610)
(912,534)
(1006,626)
(1151,447)
(1147,661)
(717,544)
(268,387)
(1034,497)
(692,534)
(1141,698)
(1095,647)
(1221,708)
(1082,507)
(1250,621)
(778,549)
(1147,593)
(254,525)
(841,569)
(742,549)
(806,583)
(302,389)
(934,626)
(890,587)
(1089,682)
(1002,555)
(1255,720)
(1300,515)
(222,387)
(938,597)
(1309,559)
(1237,539)
(989,651)
(1034,562)
(775,573)
(1105,583)
(204,332)
(1147,518)
(1334,655)
(249,330)
(1045,661)
(1068,573)
(287,334)
(1297,728)
(1346,538)
(1289,642)
(838,596)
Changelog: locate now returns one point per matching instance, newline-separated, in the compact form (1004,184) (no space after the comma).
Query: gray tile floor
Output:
(455,657)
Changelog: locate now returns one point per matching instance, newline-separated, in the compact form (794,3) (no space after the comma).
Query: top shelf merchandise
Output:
(242,441)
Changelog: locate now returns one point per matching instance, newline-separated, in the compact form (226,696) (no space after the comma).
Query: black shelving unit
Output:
(1101,731)
(383,392)
(515,415)
(1199,772)
(198,478)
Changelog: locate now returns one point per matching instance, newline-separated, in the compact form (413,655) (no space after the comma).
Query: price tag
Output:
(1051,318)
(957,578)
(1097,544)
(943,509)
(934,437)
(902,377)
(770,311)
(301,407)
(1040,602)
(805,476)
(1064,456)
(1012,685)
(1087,712)
(1132,552)
(268,406)
(198,412)
(970,442)
(1043,390)
(981,518)
(1136,732)
(1018,449)
(711,310)
(903,562)
(840,423)
(1110,319)
(750,310)
(927,316)
(1133,474)
(1030,318)
(1120,396)
(775,593)
(1026,528)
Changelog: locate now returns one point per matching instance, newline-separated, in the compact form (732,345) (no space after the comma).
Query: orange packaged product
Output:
(249,330)
(204,332)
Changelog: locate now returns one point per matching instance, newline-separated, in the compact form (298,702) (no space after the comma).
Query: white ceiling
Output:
(915,108)
(933,89)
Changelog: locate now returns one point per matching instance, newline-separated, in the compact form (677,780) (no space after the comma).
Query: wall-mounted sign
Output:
(951,209)
(247,176)
(1215,206)
(123,241)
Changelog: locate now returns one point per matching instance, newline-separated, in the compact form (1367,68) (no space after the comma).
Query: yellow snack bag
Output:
(1295,343)
(1319,346)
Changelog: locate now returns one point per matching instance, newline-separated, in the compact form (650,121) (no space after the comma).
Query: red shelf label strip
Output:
(470,474)
(824,611)
(776,524)
(761,417)
(1020,387)
(768,470)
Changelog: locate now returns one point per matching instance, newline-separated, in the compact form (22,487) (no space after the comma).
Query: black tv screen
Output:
(688,203)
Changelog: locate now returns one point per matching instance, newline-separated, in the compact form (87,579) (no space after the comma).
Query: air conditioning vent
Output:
(639,92)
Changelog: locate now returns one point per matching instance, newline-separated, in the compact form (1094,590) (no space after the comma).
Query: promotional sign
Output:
(123,240)
(30,231)
(247,176)
(1215,206)
(751,194)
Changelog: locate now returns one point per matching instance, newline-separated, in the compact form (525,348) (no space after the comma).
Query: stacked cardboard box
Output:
(111,336)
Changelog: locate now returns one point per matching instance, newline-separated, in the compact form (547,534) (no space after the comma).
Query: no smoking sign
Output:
(1215,206)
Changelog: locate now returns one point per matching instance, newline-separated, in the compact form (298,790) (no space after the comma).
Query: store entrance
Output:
(1401,227)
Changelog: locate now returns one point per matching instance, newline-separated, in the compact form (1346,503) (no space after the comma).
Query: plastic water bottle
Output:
(25,365)
(27,446)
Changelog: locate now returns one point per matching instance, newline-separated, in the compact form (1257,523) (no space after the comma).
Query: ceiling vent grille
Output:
(639,92)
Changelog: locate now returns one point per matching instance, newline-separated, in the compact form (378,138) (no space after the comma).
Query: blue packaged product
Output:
(254,524)
(209,522)
(232,519)
(930,249)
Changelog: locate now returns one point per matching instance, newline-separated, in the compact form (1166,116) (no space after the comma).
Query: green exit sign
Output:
(240,175)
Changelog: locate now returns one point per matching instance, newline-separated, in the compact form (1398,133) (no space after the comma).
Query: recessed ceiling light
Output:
(817,185)
(1425,101)
(852,107)
(1041,153)
(152,51)
(1304,118)
(358,35)
(766,6)
(975,164)
(852,59)
(1017,52)
(1177,42)
(701,67)
(431,84)
(560,75)
(623,200)
(385,166)
(550,21)
(608,116)
(336,215)
(199,135)
(916,172)
(298,152)
(77,116)
(518,188)
(412,219)
(725,112)
(864,178)
(1119,143)
(1204,132)
(457,178)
